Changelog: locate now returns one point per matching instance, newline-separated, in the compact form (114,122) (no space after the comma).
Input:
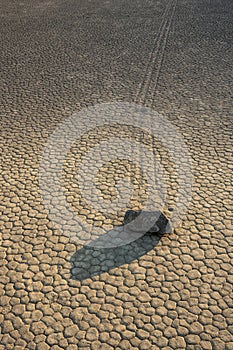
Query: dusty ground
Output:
(56,58)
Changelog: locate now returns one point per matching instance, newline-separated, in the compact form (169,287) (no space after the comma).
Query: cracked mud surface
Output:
(169,293)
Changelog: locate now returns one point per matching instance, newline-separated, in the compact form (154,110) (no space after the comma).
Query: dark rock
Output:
(154,222)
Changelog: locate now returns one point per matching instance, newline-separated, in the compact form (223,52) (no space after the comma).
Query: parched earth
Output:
(173,292)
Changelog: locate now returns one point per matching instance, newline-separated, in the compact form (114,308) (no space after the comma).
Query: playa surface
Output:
(171,292)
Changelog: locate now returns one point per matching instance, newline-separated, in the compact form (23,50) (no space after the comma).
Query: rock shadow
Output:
(89,261)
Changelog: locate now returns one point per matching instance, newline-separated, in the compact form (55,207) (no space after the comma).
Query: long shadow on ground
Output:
(89,261)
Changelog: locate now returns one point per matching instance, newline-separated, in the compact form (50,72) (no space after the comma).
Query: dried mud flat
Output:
(169,293)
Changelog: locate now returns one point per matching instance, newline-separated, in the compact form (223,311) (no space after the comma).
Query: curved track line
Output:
(150,80)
